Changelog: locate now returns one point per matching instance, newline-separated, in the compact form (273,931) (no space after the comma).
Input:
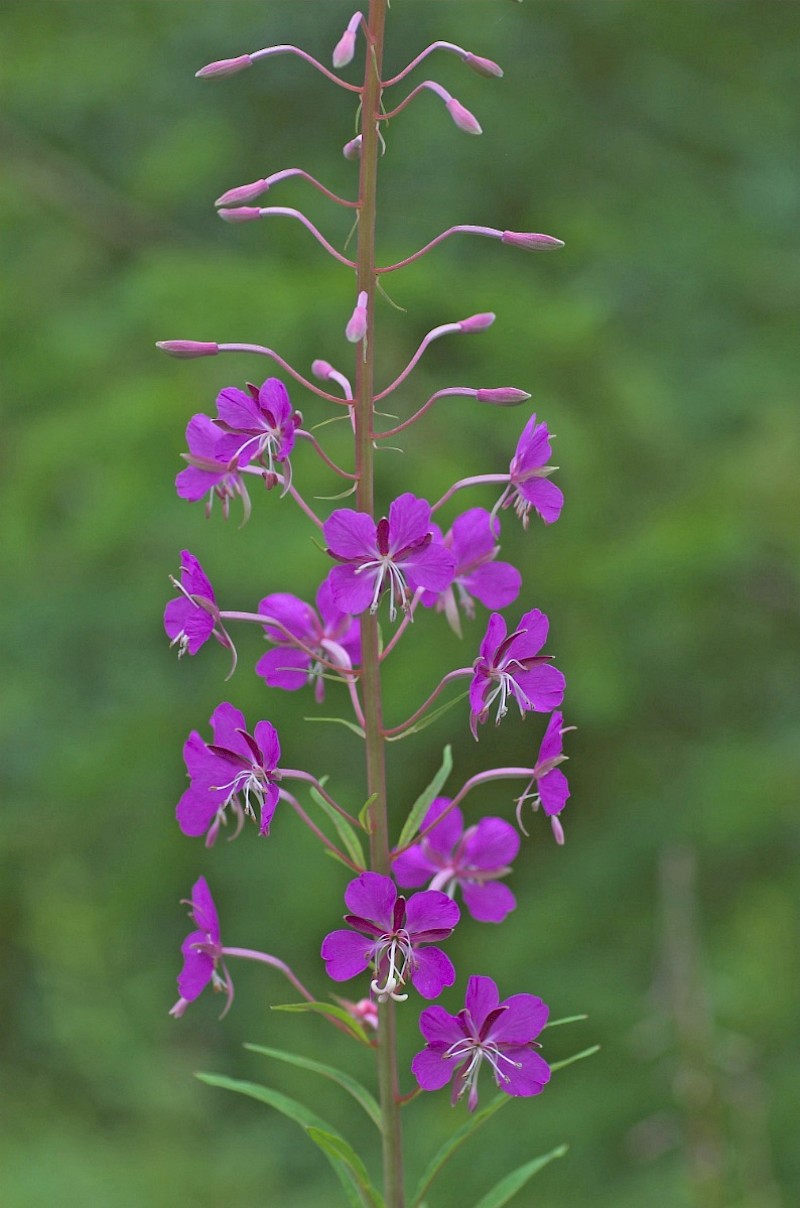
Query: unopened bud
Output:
(484,67)
(357,327)
(558,830)
(462,117)
(224,67)
(186,349)
(502,396)
(345,49)
(321,369)
(240,214)
(531,242)
(352,150)
(477,322)
(243,193)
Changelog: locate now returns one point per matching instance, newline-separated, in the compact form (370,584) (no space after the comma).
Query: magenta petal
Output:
(474,535)
(489,901)
(429,910)
(225,721)
(552,744)
(440,1027)
(482,996)
(533,447)
(533,629)
(522,1021)
(192,484)
(544,496)
(271,795)
(293,613)
(495,633)
(433,568)
(198,967)
(237,409)
(478,689)
(195,812)
(409,521)
(496,585)
(543,685)
(204,912)
(346,954)
(553,791)
(202,437)
(432,1069)
(266,737)
(284,668)
(274,397)
(493,843)
(447,832)
(433,971)
(413,868)
(372,896)
(528,1076)
(350,534)
(352,592)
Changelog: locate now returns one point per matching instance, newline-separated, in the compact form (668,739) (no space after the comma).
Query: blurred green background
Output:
(659,140)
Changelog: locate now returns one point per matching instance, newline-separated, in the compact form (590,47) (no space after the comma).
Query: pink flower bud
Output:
(243,193)
(558,830)
(531,242)
(345,49)
(188,348)
(240,214)
(321,369)
(462,117)
(352,150)
(357,327)
(484,67)
(502,396)
(477,322)
(224,67)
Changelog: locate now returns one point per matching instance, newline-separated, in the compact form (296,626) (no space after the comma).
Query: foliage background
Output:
(660,141)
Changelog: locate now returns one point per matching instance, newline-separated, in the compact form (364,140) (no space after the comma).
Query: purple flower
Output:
(202,953)
(213,468)
(235,765)
(551,787)
(501,1033)
(401,554)
(330,637)
(473,541)
(189,621)
(263,417)
(512,666)
(530,486)
(473,859)
(395,930)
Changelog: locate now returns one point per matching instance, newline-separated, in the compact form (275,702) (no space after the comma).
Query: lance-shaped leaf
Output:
(339,721)
(344,1159)
(452,1144)
(508,1187)
(560,1065)
(332,1012)
(346,1081)
(348,836)
(420,807)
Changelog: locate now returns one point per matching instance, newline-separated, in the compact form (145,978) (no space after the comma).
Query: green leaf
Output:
(365,814)
(311,1124)
(339,721)
(560,1065)
(420,806)
(455,1142)
(348,836)
(340,1153)
(508,1187)
(348,1083)
(555,1023)
(332,1012)
(428,719)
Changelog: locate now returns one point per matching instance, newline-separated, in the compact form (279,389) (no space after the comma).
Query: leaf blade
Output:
(508,1187)
(422,803)
(455,1142)
(349,838)
(328,1009)
(353,1087)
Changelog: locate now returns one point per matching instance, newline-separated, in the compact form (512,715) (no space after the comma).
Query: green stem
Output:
(365,498)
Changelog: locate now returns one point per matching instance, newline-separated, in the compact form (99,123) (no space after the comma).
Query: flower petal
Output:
(412,867)
(266,737)
(488,902)
(447,832)
(496,585)
(274,397)
(433,971)
(372,896)
(432,567)
(429,910)
(293,613)
(474,536)
(225,721)
(553,791)
(350,534)
(543,686)
(198,967)
(204,912)
(284,668)
(352,591)
(493,843)
(521,1022)
(440,1027)
(544,496)
(409,521)
(346,954)
(533,447)
(495,633)
(432,1069)
(552,743)
(530,1078)
(237,409)
(195,811)
(482,996)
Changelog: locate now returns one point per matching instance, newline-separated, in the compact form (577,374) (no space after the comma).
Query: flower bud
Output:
(345,49)
(352,150)
(186,349)
(240,214)
(558,830)
(321,369)
(357,327)
(484,67)
(462,117)
(224,67)
(243,193)
(477,322)
(502,396)
(531,242)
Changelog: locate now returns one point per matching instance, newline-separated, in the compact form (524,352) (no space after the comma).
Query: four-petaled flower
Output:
(330,637)
(262,420)
(400,554)
(213,468)
(510,665)
(549,786)
(473,541)
(235,766)
(529,483)
(500,1033)
(393,931)
(202,953)
(190,620)
(471,859)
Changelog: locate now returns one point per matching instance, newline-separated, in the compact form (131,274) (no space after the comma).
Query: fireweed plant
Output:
(410,883)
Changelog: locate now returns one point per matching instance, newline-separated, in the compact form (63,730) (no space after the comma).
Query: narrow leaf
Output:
(508,1187)
(349,838)
(365,814)
(555,1023)
(559,1065)
(339,1152)
(420,806)
(324,1008)
(452,1144)
(429,718)
(339,721)
(348,1083)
